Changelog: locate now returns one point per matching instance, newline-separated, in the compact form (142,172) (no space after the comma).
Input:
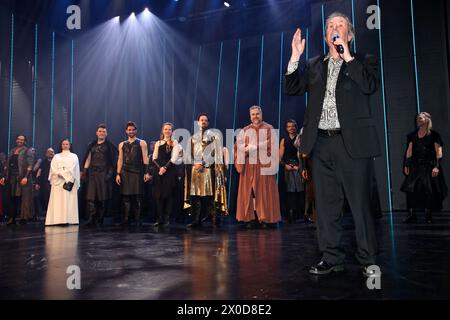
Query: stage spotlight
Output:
(226,4)
(146,10)
(133,15)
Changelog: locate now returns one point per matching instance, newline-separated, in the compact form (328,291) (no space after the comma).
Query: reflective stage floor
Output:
(228,263)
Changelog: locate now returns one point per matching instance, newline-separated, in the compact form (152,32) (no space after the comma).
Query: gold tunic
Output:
(201,182)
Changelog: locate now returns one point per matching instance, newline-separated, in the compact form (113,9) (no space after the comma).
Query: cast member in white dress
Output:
(63,204)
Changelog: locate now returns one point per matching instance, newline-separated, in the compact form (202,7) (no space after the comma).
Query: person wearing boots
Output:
(18,178)
(132,173)
(205,191)
(165,155)
(98,170)
(424,183)
(294,185)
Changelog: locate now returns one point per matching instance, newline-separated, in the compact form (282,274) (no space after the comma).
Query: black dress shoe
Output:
(324,267)
(156,224)
(371,272)
(11,222)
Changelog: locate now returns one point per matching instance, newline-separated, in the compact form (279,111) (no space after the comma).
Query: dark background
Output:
(213,59)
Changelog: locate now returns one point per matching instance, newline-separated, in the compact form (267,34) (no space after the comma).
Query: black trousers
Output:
(335,174)
(295,204)
(164,209)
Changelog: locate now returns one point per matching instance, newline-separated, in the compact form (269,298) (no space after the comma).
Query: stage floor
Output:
(228,263)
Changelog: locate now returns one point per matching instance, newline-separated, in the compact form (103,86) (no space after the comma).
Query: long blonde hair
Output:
(429,123)
(170,141)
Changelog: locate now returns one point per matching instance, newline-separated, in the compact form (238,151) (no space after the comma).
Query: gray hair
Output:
(351,28)
(255,107)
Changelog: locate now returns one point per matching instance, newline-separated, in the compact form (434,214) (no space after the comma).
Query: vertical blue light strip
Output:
(323,29)
(280,84)
(234,111)
(11,82)
(354,27)
(196,85)
(218,84)
(306,61)
(71,89)
(386,138)
(261,70)
(35,81)
(164,81)
(53,90)
(416,75)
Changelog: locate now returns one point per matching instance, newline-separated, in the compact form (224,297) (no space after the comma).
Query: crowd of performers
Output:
(127,180)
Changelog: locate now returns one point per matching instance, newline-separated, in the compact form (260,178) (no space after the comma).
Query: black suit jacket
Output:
(357,80)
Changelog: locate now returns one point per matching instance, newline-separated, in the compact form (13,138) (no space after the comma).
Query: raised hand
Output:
(298,45)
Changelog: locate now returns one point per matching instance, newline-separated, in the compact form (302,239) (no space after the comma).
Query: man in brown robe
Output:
(256,159)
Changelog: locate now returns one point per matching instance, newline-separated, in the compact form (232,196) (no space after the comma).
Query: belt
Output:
(330,133)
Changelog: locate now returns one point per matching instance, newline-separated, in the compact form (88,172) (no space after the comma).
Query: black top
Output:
(423,148)
(99,157)
(45,170)
(290,152)
(164,155)
(14,165)
(132,156)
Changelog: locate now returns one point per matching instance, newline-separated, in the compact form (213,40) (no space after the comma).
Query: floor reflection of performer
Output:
(424,183)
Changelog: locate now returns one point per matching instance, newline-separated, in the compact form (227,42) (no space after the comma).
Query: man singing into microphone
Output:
(340,136)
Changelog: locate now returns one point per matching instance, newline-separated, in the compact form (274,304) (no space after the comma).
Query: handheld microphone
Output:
(339,47)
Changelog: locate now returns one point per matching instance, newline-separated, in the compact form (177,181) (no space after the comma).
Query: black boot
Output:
(428,216)
(411,217)
(196,213)
(91,212)
(126,210)
(137,211)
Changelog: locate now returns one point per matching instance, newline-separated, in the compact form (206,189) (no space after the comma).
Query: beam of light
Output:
(226,4)
(386,134)
(415,56)
(146,10)
(35,81)
(11,73)
(52,98)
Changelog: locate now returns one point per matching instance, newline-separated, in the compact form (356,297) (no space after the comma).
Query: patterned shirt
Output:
(329,119)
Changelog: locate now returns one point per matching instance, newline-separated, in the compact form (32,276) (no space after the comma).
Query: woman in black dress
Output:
(165,156)
(424,183)
(294,184)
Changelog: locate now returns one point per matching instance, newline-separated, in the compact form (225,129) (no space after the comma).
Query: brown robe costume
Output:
(263,187)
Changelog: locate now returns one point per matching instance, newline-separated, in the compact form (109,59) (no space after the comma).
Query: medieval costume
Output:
(132,181)
(165,155)
(423,190)
(205,192)
(99,166)
(253,185)
(294,184)
(64,177)
(19,165)
(44,183)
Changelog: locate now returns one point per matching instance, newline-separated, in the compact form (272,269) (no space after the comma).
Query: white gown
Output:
(63,204)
